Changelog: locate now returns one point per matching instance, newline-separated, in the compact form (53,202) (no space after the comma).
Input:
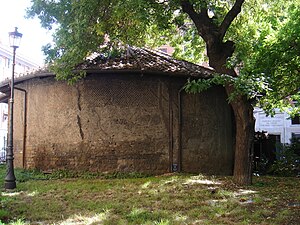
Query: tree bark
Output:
(218,52)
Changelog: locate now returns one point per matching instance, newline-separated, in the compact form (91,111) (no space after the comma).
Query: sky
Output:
(12,14)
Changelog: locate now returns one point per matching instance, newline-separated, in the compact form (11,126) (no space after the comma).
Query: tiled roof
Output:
(145,60)
(135,60)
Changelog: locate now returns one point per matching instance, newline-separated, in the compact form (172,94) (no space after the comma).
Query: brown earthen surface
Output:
(127,123)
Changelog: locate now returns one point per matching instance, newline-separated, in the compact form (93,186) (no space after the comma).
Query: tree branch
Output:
(230,16)
(188,8)
(201,20)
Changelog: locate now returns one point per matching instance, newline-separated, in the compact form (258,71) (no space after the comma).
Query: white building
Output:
(280,126)
(23,65)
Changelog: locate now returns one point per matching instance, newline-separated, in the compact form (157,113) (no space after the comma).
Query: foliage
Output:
(271,66)
(87,26)
(4,214)
(261,165)
(199,85)
(288,160)
(294,145)
(23,175)
(59,174)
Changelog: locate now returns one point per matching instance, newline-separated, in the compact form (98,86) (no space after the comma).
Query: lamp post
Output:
(10,179)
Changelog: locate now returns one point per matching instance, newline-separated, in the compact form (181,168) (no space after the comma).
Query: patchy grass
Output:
(162,200)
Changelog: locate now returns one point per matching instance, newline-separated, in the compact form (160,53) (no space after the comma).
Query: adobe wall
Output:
(207,133)
(127,123)
(100,124)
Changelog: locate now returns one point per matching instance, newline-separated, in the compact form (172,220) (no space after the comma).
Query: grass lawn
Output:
(162,200)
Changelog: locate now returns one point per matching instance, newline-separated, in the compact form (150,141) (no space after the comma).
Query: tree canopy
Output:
(274,66)
(83,27)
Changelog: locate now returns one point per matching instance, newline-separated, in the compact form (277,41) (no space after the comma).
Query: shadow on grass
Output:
(169,199)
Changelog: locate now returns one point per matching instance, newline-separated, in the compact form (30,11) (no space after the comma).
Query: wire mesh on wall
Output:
(123,92)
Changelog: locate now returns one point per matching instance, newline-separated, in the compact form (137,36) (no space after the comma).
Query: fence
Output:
(3,155)
(3,152)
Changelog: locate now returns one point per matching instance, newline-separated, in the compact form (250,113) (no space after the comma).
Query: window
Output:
(7,62)
(5,116)
(296,120)
(295,135)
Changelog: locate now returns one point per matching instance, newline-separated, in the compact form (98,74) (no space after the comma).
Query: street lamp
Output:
(10,179)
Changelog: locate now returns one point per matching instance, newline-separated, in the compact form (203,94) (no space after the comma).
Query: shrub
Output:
(288,160)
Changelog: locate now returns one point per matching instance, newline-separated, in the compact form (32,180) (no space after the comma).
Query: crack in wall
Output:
(80,127)
(79,111)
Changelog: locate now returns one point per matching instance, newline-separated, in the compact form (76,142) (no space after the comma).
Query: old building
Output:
(128,114)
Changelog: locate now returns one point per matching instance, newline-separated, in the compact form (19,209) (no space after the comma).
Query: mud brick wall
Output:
(105,123)
(207,133)
(122,122)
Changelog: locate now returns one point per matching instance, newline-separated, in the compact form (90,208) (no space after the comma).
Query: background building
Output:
(271,132)
(281,126)
(23,65)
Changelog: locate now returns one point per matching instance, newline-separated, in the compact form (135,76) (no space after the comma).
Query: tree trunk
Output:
(244,121)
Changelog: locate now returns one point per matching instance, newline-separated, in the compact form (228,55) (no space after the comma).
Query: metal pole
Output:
(10,179)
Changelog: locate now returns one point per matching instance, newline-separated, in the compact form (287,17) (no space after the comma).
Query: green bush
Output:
(288,160)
